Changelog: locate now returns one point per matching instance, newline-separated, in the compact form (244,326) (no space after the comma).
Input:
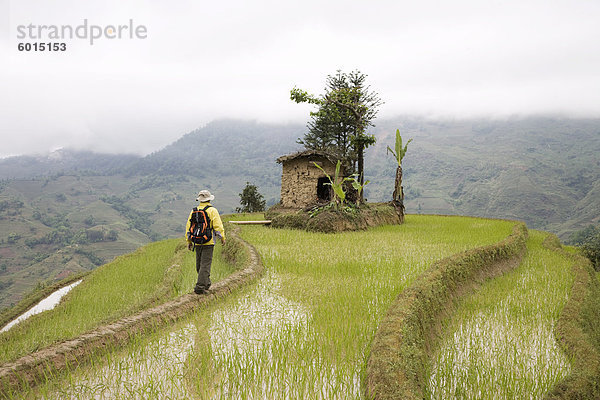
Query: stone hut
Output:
(303,184)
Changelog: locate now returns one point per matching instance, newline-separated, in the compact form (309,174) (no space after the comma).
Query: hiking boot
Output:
(199,291)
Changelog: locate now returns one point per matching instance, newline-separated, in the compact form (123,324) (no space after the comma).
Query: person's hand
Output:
(190,246)
(223,241)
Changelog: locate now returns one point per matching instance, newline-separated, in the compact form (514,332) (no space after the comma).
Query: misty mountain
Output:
(71,211)
(223,148)
(63,161)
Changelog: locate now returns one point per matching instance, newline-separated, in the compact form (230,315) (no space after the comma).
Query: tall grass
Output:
(499,344)
(153,274)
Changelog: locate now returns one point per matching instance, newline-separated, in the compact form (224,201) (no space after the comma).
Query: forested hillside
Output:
(74,210)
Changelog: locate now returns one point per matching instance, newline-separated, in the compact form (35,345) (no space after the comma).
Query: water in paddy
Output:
(213,354)
(46,304)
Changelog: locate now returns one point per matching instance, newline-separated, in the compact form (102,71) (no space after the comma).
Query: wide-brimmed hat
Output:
(204,195)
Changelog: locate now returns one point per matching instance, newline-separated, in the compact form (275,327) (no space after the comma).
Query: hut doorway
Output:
(323,190)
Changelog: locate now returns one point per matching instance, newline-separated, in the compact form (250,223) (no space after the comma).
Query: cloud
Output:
(206,60)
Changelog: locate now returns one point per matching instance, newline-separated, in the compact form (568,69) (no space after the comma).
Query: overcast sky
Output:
(202,60)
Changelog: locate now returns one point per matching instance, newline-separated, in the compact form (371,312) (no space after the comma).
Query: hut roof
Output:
(307,153)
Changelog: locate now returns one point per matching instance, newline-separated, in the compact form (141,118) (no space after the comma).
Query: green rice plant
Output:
(400,350)
(153,274)
(242,217)
(150,366)
(39,293)
(500,343)
(306,331)
(578,331)
(303,331)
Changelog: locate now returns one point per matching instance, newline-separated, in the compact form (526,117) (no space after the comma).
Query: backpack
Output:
(200,231)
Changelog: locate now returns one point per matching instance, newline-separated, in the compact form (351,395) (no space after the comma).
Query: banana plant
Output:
(359,188)
(399,152)
(337,183)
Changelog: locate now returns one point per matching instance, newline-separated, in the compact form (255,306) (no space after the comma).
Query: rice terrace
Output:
(323,295)
(329,322)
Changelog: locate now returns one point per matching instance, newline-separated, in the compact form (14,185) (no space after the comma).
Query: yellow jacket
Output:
(215,222)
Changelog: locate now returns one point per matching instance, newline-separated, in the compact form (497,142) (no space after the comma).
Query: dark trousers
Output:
(204,254)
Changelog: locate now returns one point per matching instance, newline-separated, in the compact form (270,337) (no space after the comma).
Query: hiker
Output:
(204,220)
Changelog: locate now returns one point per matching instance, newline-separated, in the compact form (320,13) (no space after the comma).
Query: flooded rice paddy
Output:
(303,330)
(245,329)
(500,342)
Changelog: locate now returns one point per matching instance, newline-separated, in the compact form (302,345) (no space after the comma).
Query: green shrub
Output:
(90,256)
(251,200)
(13,237)
(10,205)
(296,220)
(112,235)
(6,283)
(89,220)
(591,249)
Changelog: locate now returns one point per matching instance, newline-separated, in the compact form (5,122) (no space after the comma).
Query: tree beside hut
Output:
(345,112)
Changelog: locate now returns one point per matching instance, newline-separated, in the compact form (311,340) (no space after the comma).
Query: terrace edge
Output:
(404,339)
(578,332)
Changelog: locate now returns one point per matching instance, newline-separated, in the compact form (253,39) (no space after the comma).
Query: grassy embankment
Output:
(500,343)
(578,330)
(305,329)
(153,274)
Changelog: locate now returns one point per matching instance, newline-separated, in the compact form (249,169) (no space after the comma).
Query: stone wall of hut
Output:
(299,180)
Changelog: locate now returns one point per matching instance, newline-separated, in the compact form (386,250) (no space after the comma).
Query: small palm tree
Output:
(399,153)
